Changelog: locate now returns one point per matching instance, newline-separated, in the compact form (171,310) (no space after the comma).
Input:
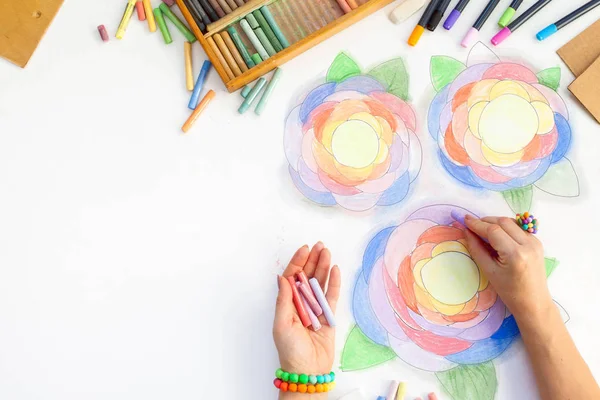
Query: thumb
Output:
(284,307)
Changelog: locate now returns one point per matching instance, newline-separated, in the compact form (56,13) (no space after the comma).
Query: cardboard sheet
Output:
(585,88)
(583,50)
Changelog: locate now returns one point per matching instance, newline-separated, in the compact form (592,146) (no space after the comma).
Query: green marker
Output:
(268,91)
(252,95)
(256,58)
(245,91)
(269,17)
(177,22)
(160,21)
(265,42)
(267,30)
(509,13)
(237,40)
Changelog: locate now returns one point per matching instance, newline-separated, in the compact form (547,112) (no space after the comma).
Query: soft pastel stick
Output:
(198,12)
(237,40)
(162,25)
(212,14)
(316,324)
(217,7)
(189,71)
(352,3)
(227,54)
(215,49)
(170,3)
(406,10)
(264,25)
(252,21)
(521,19)
(392,390)
(125,20)
(232,4)
(225,7)
(455,14)
(380,398)
(234,51)
(239,2)
(257,58)
(149,15)
(432,396)
(245,91)
(401,391)
(302,277)
(273,24)
(254,39)
(316,287)
(243,108)
(310,298)
(192,119)
(260,34)
(344,6)
(141,13)
(103,33)
(177,22)
(304,318)
(199,85)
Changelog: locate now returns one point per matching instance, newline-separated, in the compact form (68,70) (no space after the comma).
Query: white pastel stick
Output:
(407,9)
(314,284)
(254,39)
(316,324)
(393,390)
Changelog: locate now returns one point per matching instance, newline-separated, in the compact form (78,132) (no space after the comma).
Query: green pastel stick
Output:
(268,31)
(252,95)
(160,21)
(254,39)
(245,91)
(257,58)
(268,91)
(237,40)
(280,36)
(177,22)
(265,41)
(252,21)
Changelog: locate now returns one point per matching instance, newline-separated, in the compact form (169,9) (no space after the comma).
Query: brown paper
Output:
(585,88)
(22,26)
(583,50)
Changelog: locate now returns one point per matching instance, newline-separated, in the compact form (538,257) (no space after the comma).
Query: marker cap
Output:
(507,17)
(470,38)
(451,20)
(416,35)
(546,32)
(501,36)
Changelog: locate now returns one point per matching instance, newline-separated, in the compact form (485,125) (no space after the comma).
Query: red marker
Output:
(298,303)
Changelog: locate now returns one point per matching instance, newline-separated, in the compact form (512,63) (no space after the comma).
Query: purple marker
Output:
(455,14)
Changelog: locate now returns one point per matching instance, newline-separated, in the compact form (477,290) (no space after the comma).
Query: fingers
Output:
(510,226)
(333,290)
(298,261)
(480,252)
(494,234)
(284,307)
(323,266)
(313,259)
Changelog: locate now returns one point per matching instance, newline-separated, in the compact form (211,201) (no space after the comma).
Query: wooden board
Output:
(23,23)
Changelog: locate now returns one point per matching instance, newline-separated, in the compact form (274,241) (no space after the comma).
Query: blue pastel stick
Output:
(380,398)
(314,284)
(199,85)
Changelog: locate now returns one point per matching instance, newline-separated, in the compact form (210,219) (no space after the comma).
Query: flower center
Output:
(508,123)
(355,144)
(451,278)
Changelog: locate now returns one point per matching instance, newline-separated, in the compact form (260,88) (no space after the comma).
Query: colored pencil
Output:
(472,34)
(509,13)
(437,15)
(455,14)
(561,23)
(201,106)
(521,19)
(416,34)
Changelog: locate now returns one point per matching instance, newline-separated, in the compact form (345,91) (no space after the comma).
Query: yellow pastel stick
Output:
(189,74)
(401,391)
(149,15)
(125,20)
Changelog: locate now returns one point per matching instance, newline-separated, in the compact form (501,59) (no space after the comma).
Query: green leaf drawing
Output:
(550,77)
(393,75)
(360,352)
(444,70)
(550,264)
(560,180)
(470,382)
(519,200)
(343,67)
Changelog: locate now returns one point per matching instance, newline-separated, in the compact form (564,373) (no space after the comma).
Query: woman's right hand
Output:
(513,261)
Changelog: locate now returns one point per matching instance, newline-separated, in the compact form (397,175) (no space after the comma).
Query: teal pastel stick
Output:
(268,91)
(252,95)
(252,21)
(267,30)
(256,58)
(177,22)
(264,40)
(276,30)
(237,40)
(253,39)
(199,85)
(245,91)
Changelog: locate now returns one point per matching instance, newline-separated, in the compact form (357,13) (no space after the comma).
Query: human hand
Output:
(513,261)
(302,350)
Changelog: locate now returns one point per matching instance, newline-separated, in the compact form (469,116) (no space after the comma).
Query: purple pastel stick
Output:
(170,3)
(316,324)
(451,20)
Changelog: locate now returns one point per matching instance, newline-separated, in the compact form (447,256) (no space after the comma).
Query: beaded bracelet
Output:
(304,383)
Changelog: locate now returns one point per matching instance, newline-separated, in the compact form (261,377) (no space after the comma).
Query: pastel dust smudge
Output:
(420,297)
(352,141)
(501,126)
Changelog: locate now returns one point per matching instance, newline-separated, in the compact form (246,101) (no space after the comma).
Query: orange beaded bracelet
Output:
(303,388)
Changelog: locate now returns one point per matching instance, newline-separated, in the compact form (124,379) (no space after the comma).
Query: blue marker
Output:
(199,85)
(552,29)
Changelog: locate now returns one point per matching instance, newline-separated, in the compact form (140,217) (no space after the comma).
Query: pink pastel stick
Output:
(432,396)
(310,298)
(316,324)
(344,6)
(302,277)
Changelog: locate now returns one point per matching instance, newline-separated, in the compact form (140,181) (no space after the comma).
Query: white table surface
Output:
(137,263)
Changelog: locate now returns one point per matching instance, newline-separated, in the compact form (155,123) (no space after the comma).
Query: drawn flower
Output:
(352,140)
(502,127)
